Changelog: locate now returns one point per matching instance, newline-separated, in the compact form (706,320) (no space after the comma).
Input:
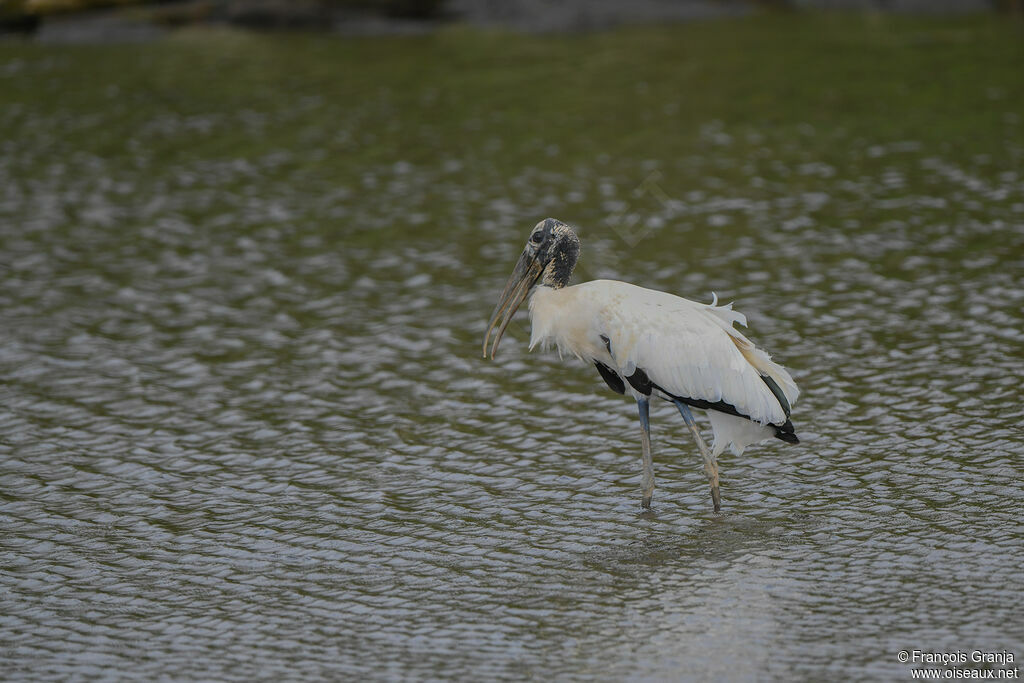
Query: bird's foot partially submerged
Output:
(710,465)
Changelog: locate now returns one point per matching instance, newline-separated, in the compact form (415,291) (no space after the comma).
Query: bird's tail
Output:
(762,362)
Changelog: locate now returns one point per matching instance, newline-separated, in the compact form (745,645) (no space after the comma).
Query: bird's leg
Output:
(643,406)
(710,466)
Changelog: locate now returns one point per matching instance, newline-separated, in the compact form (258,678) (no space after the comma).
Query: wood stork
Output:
(651,343)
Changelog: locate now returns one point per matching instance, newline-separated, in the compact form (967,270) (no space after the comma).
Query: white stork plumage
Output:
(651,343)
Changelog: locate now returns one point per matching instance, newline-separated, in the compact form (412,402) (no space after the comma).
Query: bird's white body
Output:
(650,344)
(687,349)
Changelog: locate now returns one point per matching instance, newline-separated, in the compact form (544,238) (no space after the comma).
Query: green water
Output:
(245,430)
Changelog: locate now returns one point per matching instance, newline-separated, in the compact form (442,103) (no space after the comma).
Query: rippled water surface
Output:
(246,432)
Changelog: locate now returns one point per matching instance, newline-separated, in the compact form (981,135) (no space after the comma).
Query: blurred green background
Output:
(789,89)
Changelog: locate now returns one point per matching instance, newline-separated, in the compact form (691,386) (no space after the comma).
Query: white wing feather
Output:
(690,350)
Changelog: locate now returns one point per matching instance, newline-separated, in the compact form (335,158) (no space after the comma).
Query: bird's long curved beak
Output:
(526,273)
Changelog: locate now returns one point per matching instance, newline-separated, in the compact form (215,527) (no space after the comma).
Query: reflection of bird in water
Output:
(650,343)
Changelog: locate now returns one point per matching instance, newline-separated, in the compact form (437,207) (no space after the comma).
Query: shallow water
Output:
(246,431)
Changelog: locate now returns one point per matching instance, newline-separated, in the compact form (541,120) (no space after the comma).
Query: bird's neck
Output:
(563,260)
(558,318)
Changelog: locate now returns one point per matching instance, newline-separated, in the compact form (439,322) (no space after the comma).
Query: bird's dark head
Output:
(549,256)
(556,248)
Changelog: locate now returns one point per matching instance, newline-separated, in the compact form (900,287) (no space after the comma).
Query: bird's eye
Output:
(537,237)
